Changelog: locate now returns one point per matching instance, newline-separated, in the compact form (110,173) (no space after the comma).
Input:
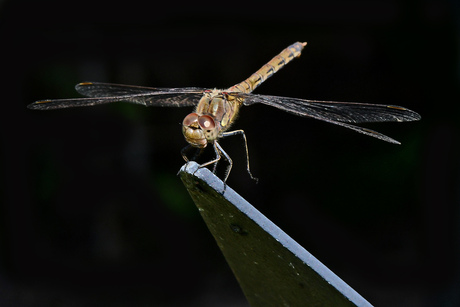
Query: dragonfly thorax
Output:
(214,113)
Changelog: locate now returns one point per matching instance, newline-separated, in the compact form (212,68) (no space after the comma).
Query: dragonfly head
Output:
(199,130)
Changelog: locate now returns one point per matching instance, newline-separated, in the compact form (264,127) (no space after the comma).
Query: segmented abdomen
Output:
(269,69)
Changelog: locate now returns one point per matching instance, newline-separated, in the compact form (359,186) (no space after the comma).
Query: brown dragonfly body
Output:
(217,109)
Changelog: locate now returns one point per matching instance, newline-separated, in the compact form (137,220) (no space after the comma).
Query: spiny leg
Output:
(217,150)
(184,154)
(219,153)
(187,148)
(235,132)
(216,147)
(230,162)
(214,168)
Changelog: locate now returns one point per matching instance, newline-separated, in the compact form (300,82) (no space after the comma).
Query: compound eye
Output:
(190,119)
(206,122)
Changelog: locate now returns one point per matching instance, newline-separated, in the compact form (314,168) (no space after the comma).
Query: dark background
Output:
(92,212)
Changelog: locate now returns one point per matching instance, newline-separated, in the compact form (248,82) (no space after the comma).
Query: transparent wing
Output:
(101,93)
(99,89)
(348,112)
(339,113)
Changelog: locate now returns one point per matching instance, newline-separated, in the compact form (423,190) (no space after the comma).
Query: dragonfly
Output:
(217,109)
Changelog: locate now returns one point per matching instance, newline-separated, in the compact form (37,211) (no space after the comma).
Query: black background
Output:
(92,212)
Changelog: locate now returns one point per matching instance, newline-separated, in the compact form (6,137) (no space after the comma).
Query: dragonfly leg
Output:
(230,162)
(217,150)
(183,152)
(187,148)
(198,152)
(214,169)
(219,153)
(241,132)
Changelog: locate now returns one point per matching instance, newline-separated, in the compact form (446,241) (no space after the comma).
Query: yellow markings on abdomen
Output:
(269,69)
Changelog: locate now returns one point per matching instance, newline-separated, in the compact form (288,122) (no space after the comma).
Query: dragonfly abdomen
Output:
(266,71)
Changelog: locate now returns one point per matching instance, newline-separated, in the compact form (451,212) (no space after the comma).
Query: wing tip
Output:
(411,115)
(378,135)
(38,105)
(82,85)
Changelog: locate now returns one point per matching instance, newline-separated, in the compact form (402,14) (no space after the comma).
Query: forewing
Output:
(99,89)
(101,93)
(69,103)
(148,96)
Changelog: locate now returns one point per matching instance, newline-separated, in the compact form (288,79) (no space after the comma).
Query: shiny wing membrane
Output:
(339,113)
(101,93)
